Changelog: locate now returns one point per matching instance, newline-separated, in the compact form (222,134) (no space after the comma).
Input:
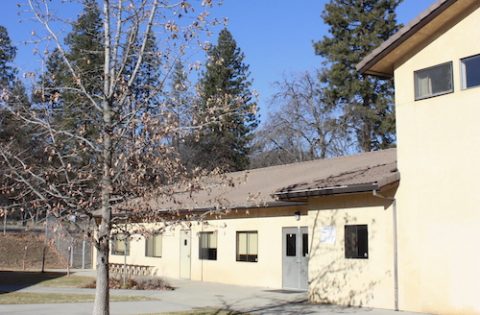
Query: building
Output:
(350,229)
(435,61)
(263,238)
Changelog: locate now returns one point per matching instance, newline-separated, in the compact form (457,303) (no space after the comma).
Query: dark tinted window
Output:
(471,71)
(305,244)
(356,241)
(291,245)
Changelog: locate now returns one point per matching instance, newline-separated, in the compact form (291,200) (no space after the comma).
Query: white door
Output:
(295,258)
(185,247)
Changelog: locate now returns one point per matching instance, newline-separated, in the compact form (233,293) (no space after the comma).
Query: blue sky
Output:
(275,35)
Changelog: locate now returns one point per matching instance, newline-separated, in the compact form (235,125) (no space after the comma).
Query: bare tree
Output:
(128,155)
(305,126)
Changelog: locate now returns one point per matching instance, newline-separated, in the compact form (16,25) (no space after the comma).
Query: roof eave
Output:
(180,212)
(365,66)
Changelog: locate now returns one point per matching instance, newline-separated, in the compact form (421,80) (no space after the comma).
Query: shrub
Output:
(139,283)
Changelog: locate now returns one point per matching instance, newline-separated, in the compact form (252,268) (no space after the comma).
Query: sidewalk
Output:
(189,295)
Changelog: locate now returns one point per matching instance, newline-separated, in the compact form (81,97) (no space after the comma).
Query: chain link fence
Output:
(72,245)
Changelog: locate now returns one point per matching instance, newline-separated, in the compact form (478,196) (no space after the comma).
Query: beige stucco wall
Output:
(439,198)
(267,272)
(358,282)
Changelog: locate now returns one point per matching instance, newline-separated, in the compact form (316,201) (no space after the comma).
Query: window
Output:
(120,245)
(471,72)
(247,246)
(291,244)
(208,246)
(304,244)
(153,246)
(433,81)
(356,241)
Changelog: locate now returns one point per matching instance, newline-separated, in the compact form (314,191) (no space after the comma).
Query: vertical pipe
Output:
(69,248)
(71,252)
(5,223)
(395,253)
(83,254)
(125,258)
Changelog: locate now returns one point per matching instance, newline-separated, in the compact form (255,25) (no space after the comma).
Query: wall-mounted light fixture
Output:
(297,215)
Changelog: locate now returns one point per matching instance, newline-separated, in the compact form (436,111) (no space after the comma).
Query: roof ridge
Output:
(343,157)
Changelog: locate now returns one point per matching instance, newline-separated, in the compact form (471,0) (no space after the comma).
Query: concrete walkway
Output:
(190,295)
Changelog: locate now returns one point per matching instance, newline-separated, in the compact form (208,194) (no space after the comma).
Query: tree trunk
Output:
(102,295)
(101,306)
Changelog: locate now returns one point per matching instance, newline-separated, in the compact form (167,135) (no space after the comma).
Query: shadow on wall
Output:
(334,279)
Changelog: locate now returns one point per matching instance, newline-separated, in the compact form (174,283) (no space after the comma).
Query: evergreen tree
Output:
(12,91)
(7,76)
(148,81)
(13,133)
(225,93)
(7,55)
(356,27)
(85,49)
(179,101)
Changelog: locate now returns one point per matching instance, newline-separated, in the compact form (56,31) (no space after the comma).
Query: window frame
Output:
(120,237)
(463,73)
(416,72)
(152,238)
(248,257)
(211,252)
(356,253)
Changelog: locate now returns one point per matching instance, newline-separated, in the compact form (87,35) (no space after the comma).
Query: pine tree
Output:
(13,133)
(7,76)
(12,91)
(356,27)
(148,81)
(225,92)
(85,49)
(7,55)
(179,101)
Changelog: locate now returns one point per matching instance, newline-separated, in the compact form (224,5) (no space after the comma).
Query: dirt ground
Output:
(12,252)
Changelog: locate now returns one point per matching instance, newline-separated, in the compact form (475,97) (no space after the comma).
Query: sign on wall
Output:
(328,234)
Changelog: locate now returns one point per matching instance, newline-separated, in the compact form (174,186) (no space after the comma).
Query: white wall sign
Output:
(328,234)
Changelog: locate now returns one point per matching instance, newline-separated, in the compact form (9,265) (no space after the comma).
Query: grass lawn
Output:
(68,282)
(42,298)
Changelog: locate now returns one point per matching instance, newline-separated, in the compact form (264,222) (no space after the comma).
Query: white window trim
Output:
(463,73)
(435,94)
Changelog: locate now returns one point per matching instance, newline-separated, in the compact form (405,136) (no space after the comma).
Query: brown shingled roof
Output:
(272,186)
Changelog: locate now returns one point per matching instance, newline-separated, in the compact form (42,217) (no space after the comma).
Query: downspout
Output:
(200,241)
(395,245)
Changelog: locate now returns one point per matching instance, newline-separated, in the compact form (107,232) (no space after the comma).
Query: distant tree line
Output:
(334,110)
(113,115)
(326,112)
